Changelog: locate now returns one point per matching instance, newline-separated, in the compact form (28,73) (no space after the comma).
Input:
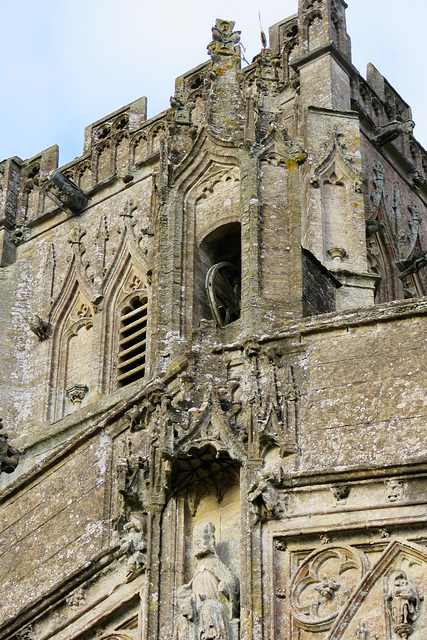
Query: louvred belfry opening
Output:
(133,341)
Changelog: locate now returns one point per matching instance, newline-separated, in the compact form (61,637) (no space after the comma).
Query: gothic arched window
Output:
(132,340)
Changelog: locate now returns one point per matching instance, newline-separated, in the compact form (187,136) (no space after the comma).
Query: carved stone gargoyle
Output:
(39,327)
(9,456)
(69,193)
(389,132)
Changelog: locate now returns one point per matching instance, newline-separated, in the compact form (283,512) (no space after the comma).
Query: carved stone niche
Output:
(209,602)
(201,534)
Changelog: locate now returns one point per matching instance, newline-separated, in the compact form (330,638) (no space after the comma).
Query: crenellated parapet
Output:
(212,357)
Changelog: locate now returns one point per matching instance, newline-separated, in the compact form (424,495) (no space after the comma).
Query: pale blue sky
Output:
(67,63)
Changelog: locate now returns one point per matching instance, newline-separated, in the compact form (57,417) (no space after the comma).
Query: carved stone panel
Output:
(323,584)
(359,591)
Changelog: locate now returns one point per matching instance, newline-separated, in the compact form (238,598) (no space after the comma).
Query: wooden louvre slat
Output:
(123,376)
(134,312)
(132,348)
(132,336)
(134,324)
(132,342)
(139,356)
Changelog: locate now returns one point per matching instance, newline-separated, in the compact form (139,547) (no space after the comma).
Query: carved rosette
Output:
(323,584)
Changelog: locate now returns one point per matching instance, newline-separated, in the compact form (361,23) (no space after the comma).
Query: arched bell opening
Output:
(133,340)
(218,275)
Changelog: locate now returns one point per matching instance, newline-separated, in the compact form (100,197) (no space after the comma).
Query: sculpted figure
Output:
(209,603)
(224,39)
(404,604)
(389,132)
(134,546)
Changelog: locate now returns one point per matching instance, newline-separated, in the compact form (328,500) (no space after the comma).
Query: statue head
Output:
(204,539)
(225,26)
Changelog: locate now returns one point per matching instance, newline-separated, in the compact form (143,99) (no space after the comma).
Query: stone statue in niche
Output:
(209,603)
(404,604)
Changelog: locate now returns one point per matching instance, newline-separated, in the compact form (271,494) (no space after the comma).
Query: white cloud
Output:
(70,62)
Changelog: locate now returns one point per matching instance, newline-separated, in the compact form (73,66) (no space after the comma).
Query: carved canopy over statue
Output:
(209,603)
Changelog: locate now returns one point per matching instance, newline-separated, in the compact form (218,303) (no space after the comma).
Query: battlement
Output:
(119,142)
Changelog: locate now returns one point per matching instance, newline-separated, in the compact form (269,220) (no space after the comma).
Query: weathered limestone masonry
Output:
(213,355)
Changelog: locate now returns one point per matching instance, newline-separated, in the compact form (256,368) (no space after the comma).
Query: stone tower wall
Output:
(213,390)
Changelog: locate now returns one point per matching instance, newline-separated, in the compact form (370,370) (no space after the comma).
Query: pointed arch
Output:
(72,319)
(126,319)
(139,147)
(337,179)
(213,226)
(30,197)
(103,162)
(121,145)
(156,136)
(382,258)
(84,175)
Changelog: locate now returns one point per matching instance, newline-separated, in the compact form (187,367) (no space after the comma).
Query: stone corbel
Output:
(338,254)
(20,234)
(251,348)
(341,492)
(76,394)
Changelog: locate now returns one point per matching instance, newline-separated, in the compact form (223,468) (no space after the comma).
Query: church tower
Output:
(213,393)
